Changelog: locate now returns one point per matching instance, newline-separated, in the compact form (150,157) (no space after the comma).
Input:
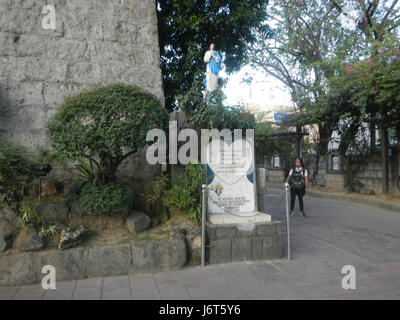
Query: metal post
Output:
(203,225)
(288,222)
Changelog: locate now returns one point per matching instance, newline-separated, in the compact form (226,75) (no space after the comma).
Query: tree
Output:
(186,29)
(369,91)
(307,46)
(303,53)
(106,126)
(314,41)
(377,21)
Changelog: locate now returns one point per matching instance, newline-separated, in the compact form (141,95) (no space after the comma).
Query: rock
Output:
(32,243)
(54,213)
(159,218)
(72,238)
(9,221)
(137,222)
(5,242)
(154,222)
(130,196)
(196,243)
(164,217)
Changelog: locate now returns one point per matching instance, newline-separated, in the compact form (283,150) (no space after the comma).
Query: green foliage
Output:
(210,113)
(186,29)
(34,221)
(185,194)
(49,232)
(15,169)
(100,200)
(160,184)
(267,147)
(46,156)
(30,217)
(86,173)
(368,90)
(105,125)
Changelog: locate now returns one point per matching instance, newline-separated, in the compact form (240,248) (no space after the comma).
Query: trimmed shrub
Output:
(105,126)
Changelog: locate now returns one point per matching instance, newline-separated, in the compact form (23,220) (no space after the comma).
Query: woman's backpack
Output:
(297,180)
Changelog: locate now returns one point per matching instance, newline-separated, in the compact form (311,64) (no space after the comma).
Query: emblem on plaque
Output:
(218,189)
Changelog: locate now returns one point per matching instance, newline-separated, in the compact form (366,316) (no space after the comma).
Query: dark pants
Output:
(299,193)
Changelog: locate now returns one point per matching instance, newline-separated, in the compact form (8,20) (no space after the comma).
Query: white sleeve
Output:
(291,172)
(207,57)
(306,173)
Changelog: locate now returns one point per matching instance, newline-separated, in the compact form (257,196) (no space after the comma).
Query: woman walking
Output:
(298,181)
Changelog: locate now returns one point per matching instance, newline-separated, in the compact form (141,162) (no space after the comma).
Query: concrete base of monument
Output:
(243,218)
(244,241)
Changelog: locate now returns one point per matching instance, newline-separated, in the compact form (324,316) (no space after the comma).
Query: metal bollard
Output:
(288,222)
(203,225)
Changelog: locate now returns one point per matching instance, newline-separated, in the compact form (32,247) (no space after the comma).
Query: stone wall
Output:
(368,178)
(98,261)
(96,42)
(335,182)
(318,176)
(276,176)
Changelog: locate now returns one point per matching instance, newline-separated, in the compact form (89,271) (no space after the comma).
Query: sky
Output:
(264,89)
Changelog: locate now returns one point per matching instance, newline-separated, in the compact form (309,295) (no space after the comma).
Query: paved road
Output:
(333,235)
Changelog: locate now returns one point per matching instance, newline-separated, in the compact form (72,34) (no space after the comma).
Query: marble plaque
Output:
(230,178)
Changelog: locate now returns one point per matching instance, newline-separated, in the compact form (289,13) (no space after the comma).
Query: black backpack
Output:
(297,180)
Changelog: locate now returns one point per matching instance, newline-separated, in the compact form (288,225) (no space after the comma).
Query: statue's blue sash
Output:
(214,66)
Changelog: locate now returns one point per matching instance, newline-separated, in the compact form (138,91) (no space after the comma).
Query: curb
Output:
(381,204)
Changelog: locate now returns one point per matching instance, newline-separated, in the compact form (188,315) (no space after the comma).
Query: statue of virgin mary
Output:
(214,65)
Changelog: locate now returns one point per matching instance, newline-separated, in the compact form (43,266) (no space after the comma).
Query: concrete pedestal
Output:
(243,241)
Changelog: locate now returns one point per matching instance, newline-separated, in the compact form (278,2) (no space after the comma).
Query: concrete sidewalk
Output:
(333,235)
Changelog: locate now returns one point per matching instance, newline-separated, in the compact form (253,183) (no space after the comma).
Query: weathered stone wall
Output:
(335,182)
(96,42)
(97,261)
(276,176)
(369,175)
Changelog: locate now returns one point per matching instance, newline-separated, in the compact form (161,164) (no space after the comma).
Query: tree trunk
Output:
(298,141)
(347,138)
(372,146)
(324,138)
(385,160)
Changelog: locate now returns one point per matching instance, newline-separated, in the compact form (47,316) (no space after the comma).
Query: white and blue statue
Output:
(214,65)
